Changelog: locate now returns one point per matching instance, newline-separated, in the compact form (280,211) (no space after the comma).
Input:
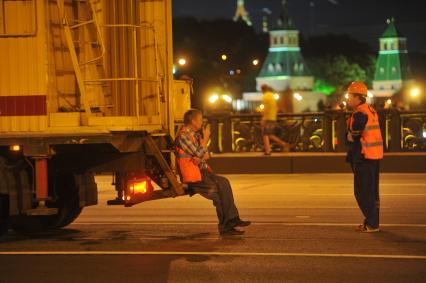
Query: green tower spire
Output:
(392,67)
(284,67)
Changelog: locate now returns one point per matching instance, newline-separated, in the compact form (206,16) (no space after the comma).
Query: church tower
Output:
(241,13)
(284,67)
(392,66)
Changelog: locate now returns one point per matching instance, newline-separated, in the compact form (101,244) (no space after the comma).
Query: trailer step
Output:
(117,201)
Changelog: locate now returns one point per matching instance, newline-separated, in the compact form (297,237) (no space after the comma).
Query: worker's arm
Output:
(358,126)
(186,143)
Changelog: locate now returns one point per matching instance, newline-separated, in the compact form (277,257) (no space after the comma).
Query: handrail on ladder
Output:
(98,27)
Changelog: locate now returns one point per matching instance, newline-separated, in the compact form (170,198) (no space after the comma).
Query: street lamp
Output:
(213,98)
(276,96)
(182,61)
(224,57)
(227,98)
(255,62)
(415,92)
(297,96)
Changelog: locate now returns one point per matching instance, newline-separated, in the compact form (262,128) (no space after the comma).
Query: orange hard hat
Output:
(358,87)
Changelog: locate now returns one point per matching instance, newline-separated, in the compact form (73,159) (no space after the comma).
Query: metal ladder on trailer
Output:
(72,48)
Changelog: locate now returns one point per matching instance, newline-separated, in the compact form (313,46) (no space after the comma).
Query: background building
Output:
(392,67)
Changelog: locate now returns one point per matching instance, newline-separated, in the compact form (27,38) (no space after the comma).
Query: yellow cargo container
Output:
(86,66)
(85,86)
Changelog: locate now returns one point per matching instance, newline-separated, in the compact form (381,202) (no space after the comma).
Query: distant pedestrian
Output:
(269,121)
(365,150)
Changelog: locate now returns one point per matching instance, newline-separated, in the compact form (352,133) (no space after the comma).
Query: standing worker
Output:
(191,155)
(269,121)
(365,150)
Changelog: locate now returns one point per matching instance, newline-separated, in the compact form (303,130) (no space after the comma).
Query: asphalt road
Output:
(302,231)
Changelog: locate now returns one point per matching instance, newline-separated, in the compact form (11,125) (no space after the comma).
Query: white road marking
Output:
(399,195)
(379,256)
(253,223)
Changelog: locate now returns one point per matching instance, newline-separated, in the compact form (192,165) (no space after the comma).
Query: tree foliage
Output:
(337,72)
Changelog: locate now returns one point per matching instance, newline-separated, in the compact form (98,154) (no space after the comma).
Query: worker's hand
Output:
(349,137)
(206,133)
(206,156)
(196,160)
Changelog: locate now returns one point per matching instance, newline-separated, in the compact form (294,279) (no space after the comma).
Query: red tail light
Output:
(139,187)
(137,190)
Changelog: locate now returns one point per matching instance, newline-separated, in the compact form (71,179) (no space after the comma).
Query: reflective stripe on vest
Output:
(372,144)
(183,155)
(372,127)
(371,137)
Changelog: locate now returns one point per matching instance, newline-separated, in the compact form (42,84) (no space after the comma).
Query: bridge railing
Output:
(318,131)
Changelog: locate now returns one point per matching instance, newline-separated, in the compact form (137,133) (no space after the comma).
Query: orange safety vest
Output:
(371,137)
(189,171)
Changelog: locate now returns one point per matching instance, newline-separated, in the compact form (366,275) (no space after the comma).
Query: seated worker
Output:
(191,153)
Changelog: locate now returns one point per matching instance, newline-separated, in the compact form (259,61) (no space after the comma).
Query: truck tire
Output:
(3,229)
(66,200)
(4,215)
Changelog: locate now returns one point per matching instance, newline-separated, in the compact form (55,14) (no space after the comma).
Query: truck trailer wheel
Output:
(3,229)
(4,215)
(66,199)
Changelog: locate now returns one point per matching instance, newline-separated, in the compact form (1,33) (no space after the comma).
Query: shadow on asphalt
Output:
(59,235)
(154,268)
(387,236)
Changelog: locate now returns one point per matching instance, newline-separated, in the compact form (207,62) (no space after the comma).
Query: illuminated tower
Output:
(284,67)
(241,13)
(392,67)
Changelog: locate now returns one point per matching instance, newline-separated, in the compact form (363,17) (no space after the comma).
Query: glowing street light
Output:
(389,101)
(213,98)
(182,61)
(297,96)
(224,57)
(255,62)
(261,106)
(415,92)
(276,96)
(227,98)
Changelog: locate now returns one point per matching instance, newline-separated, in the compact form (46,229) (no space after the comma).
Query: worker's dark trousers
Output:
(218,189)
(366,188)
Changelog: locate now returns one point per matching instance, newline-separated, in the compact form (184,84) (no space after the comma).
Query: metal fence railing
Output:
(315,132)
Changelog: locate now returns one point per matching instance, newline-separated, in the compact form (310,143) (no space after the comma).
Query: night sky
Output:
(364,20)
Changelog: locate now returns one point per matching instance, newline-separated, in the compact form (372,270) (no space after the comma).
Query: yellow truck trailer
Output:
(86,86)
